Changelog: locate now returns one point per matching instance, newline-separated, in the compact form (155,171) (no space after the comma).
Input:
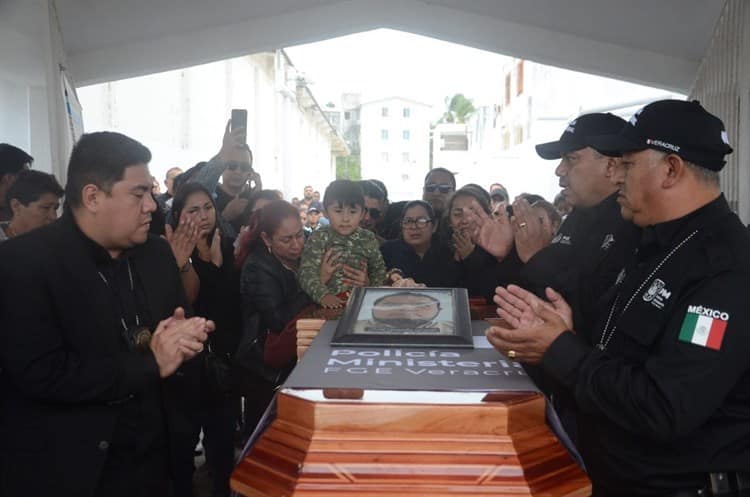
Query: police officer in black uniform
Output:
(594,239)
(592,244)
(662,380)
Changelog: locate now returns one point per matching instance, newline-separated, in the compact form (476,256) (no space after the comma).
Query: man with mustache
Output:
(93,328)
(661,381)
(405,311)
(590,247)
(594,240)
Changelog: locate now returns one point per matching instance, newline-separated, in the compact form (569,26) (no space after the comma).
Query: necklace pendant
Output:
(600,346)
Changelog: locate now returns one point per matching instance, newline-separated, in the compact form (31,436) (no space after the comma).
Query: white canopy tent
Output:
(664,44)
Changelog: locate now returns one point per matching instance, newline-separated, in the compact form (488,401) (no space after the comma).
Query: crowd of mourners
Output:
(252,262)
(207,279)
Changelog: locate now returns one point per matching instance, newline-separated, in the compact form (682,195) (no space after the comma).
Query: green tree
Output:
(458,109)
(349,167)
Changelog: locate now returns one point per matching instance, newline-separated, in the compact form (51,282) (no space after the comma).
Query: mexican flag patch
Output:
(703,326)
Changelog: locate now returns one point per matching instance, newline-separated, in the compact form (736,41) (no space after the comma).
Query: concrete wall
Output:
(29,83)
(723,87)
(181,115)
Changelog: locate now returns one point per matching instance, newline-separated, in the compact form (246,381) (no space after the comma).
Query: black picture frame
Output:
(404,317)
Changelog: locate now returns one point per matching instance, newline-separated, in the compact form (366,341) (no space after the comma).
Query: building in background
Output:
(350,122)
(450,149)
(533,106)
(180,115)
(395,144)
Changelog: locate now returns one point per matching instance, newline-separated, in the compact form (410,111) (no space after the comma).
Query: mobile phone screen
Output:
(239,120)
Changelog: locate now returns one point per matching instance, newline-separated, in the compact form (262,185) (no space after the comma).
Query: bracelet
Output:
(186,267)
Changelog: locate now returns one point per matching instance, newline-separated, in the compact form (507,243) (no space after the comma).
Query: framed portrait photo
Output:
(418,317)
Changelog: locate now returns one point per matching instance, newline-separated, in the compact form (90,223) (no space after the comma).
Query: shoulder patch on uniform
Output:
(704,326)
(561,239)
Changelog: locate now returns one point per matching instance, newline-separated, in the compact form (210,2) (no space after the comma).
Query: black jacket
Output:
(668,400)
(68,375)
(480,273)
(585,256)
(271,297)
(437,268)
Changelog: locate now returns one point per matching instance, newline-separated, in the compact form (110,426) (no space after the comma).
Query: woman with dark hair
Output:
(481,272)
(420,254)
(218,299)
(249,221)
(271,298)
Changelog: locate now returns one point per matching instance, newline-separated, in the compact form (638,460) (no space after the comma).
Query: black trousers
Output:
(127,475)
(216,415)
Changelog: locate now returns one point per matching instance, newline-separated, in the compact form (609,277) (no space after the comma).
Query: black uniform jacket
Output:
(668,400)
(67,374)
(590,247)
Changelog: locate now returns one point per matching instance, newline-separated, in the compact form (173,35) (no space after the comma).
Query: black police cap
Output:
(674,126)
(578,134)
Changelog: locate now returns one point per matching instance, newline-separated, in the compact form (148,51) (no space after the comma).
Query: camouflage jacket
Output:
(355,248)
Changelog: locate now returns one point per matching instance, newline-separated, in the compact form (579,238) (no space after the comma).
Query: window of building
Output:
(454,142)
(405,157)
(384,156)
(406,134)
(346,115)
(384,111)
(407,112)
(519,77)
(383,134)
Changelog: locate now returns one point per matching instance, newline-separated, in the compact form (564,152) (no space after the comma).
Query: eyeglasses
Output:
(244,167)
(373,212)
(431,187)
(419,222)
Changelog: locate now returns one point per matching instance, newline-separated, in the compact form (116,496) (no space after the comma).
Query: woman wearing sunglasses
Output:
(419,253)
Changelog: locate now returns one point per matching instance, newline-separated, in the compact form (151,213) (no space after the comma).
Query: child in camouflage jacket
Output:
(349,245)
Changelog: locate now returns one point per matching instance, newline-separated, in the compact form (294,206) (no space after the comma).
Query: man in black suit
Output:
(92,330)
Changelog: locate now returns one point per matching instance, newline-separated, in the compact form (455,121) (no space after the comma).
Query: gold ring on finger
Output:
(511,354)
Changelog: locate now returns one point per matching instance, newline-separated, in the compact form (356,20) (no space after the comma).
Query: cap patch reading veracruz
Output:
(673,126)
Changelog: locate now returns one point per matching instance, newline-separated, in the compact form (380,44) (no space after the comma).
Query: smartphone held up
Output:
(239,120)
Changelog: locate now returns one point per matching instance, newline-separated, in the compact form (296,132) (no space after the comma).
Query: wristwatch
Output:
(186,267)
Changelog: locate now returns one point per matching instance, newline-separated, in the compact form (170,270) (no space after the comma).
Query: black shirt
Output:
(140,428)
(222,199)
(668,400)
(219,298)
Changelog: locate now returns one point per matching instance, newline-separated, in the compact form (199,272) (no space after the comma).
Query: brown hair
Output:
(266,220)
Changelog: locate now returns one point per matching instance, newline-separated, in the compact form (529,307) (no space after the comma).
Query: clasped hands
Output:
(533,323)
(178,339)
(498,235)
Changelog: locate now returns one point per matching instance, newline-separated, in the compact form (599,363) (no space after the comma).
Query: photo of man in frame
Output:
(406,312)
